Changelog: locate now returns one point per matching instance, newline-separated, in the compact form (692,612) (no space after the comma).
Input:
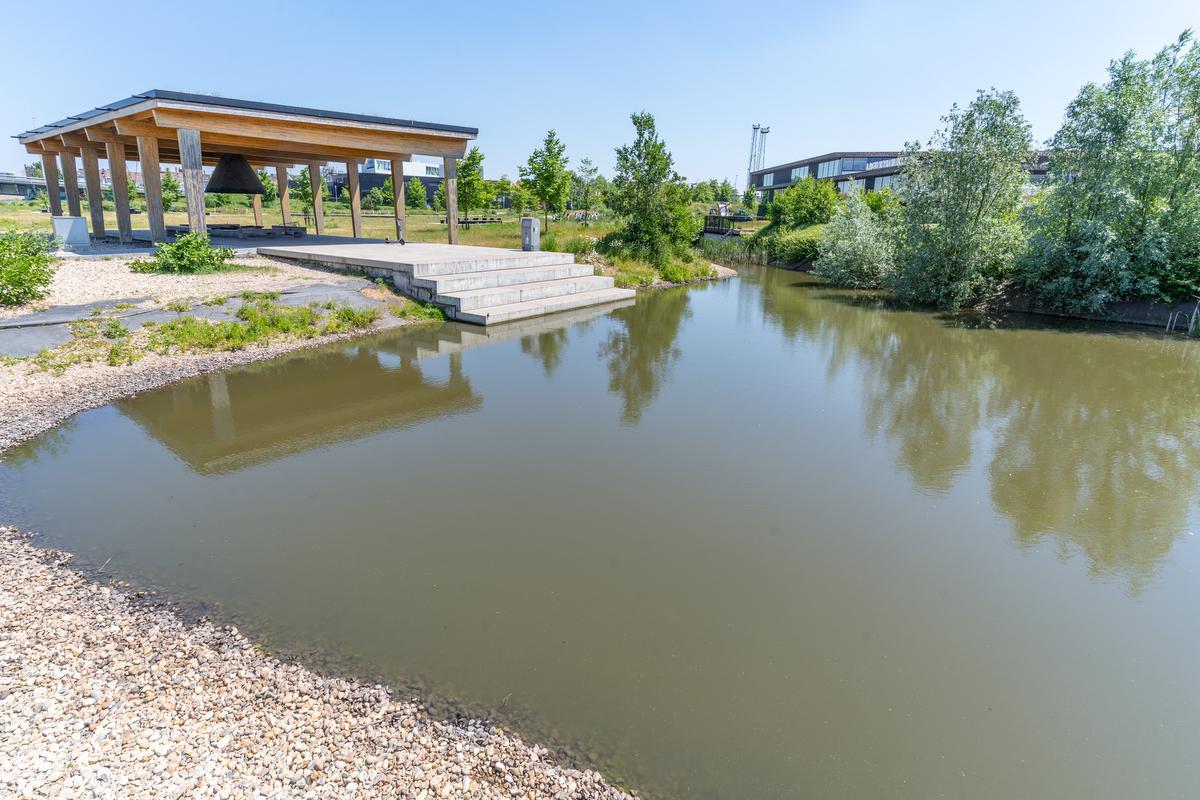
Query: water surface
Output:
(755,539)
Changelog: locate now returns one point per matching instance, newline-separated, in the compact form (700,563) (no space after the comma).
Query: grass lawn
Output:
(421,226)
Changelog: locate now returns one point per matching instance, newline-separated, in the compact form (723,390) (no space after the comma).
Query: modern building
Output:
(870,171)
(374,172)
(839,167)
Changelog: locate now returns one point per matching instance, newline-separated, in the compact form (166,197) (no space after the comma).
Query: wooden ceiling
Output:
(263,134)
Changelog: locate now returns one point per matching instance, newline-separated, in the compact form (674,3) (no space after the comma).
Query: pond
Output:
(760,538)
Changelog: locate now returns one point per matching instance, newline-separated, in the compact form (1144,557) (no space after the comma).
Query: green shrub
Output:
(684,271)
(26,266)
(581,246)
(418,311)
(857,249)
(191,253)
(731,250)
(632,274)
(790,247)
(807,202)
(549,243)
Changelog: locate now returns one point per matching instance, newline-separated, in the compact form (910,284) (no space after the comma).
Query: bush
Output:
(684,271)
(189,254)
(790,247)
(808,202)
(581,246)
(26,266)
(857,249)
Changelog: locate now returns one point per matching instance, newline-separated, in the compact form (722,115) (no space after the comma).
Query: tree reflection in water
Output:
(641,350)
(1092,434)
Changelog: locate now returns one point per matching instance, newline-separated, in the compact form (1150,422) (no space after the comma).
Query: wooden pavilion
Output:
(164,127)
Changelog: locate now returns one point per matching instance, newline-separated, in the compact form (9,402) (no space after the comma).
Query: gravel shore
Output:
(104,695)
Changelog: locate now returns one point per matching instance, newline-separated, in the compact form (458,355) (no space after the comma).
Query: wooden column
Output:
(318,202)
(120,189)
(256,203)
(71,183)
(50,171)
(152,181)
(285,198)
(450,176)
(355,200)
(398,205)
(192,163)
(95,196)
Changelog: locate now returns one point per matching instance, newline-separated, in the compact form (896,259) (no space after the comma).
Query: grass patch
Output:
(630,273)
(123,306)
(686,272)
(417,311)
(115,330)
(256,323)
(251,296)
(219,300)
(178,305)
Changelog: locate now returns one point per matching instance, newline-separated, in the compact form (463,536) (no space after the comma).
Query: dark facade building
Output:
(870,171)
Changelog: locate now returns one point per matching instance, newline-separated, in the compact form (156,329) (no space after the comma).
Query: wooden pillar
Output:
(192,163)
(450,176)
(50,171)
(95,197)
(120,189)
(71,183)
(398,204)
(318,202)
(152,181)
(256,202)
(285,198)
(355,200)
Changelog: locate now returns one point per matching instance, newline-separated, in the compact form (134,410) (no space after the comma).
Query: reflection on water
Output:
(759,539)
(1093,439)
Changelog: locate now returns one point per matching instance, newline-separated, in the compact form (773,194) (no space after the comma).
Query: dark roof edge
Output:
(828,156)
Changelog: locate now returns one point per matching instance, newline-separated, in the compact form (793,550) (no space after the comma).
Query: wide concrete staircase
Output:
(482,285)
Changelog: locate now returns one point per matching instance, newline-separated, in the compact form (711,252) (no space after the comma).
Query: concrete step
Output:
(509,260)
(534,308)
(444,284)
(507,295)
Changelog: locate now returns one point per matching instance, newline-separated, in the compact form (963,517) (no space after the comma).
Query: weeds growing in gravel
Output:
(190,254)
(417,311)
(178,305)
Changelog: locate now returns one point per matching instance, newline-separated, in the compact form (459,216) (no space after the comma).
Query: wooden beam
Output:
(355,199)
(398,207)
(365,140)
(95,195)
(120,190)
(318,202)
(450,176)
(71,183)
(152,181)
(50,172)
(285,197)
(256,203)
(193,177)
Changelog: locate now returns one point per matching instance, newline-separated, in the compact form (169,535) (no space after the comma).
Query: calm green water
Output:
(757,539)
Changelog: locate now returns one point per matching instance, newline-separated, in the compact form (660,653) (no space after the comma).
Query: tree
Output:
(34,170)
(388,191)
(522,199)
(439,197)
(545,175)
(375,199)
(583,186)
(748,198)
(1119,217)
(806,202)
(131,188)
(270,191)
(702,192)
(473,191)
(651,198)
(857,249)
(172,192)
(725,192)
(302,191)
(414,196)
(961,195)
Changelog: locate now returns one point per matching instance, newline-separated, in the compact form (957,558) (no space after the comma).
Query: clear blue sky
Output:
(830,76)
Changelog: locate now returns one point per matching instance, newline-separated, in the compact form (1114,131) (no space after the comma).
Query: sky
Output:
(823,76)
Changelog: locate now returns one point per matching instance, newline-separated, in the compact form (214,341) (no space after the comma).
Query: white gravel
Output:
(102,695)
(85,280)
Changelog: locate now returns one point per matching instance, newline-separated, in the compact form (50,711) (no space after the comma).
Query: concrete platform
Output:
(480,285)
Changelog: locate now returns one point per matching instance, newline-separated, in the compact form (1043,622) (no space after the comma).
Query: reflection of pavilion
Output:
(316,398)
